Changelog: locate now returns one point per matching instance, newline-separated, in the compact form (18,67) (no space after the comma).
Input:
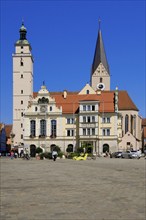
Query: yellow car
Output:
(83,157)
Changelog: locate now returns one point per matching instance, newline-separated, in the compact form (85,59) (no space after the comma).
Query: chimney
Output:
(98,92)
(64,94)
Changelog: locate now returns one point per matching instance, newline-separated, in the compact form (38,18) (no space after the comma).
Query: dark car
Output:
(117,154)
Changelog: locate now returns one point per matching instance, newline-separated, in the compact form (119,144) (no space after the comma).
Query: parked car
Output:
(117,154)
(131,154)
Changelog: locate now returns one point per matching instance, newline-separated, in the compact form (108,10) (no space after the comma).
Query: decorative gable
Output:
(87,90)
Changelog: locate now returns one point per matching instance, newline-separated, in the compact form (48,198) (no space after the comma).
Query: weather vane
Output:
(99,21)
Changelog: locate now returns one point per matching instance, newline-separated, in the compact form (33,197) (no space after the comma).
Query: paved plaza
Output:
(101,189)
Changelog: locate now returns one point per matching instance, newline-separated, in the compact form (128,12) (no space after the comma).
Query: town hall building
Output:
(96,116)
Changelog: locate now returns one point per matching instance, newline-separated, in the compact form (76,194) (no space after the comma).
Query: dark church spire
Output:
(99,55)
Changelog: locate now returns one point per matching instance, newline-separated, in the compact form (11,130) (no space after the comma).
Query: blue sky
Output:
(63,35)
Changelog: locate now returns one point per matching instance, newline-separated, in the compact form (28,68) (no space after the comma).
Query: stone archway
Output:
(69,148)
(52,147)
(32,150)
(105,148)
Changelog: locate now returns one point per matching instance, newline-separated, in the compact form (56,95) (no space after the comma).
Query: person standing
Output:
(54,155)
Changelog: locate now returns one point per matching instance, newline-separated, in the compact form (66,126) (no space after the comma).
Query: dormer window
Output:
(87,91)
(100,79)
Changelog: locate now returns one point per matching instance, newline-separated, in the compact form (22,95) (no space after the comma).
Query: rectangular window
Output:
(32,128)
(88,119)
(21,75)
(88,131)
(84,131)
(88,107)
(84,119)
(21,125)
(21,91)
(70,120)
(84,107)
(108,120)
(103,120)
(106,132)
(53,128)
(21,114)
(93,131)
(93,118)
(93,107)
(43,127)
(70,132)
(103,132)
(21,102)
(21,136)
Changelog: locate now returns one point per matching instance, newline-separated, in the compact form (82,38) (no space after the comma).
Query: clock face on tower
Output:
(100,86)
(43,109)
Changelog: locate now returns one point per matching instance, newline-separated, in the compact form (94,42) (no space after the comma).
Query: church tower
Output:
(22,83)
(100,74)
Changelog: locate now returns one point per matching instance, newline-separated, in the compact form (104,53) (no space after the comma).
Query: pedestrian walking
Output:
(54,155)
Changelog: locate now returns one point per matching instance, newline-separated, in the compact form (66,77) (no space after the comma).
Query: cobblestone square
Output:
(102,189)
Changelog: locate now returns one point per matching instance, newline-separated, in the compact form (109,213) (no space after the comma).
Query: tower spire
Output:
(99,55)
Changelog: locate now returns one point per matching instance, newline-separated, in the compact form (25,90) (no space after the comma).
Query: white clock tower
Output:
(22,83)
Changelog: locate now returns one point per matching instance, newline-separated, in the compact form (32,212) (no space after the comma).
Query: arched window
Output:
(105,148)
(87,91)
(134,124)
(126,123)
(21,62)
(53,128)
(43,127)
(32,128)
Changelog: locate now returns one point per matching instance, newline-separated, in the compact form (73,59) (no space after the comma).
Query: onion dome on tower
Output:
(23,40)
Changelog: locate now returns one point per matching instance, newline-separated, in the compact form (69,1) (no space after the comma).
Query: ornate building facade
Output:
(95,116)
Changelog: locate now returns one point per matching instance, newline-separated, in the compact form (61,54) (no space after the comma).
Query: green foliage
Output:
(69,149)
(56,148)
(80,150)
(60,154)
(73,154)
(47,155)
(39,150)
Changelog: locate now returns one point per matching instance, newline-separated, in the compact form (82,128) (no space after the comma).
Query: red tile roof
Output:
(125,102)
(70,104)
(8,129)
(144,122)
(144,132)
